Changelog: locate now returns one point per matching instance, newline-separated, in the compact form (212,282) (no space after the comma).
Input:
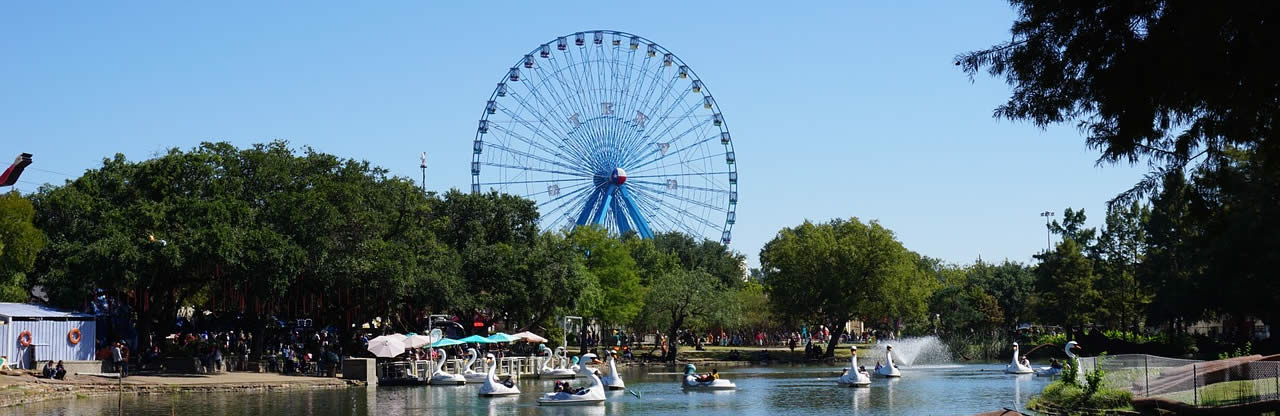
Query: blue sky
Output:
(843,109)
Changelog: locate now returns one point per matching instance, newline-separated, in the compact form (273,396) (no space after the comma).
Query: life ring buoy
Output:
(73,336)
(24,338)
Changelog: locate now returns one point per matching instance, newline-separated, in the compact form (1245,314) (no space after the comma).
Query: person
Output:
(124,359)
(1025,361)
(878,367)
(217,359)
(48,370)
(1054,363)
(60,372)
(862,369)
(117,357)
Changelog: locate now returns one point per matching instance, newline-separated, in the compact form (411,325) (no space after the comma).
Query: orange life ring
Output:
(74,336)
(24,338)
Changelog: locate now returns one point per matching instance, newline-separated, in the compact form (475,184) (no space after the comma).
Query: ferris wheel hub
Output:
(619,176)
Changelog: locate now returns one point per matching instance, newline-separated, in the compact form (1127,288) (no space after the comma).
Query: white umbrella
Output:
(529,336)
(417,341)
(399,337)
(386,346)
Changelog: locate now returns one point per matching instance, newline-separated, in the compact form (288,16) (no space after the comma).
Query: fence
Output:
(1201,383)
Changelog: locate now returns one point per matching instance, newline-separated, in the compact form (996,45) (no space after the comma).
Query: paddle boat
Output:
(889,369)
(440,377)
(492,386)
(709,382)
(593,393)
(1019,365)
(1071,360)
(468,371)
(549,371)
(613,380)
(854,376)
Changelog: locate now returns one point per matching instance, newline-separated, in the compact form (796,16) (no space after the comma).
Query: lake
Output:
(947,389)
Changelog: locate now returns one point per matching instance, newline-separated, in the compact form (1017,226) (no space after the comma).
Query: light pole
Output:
(423,165)
(1047,241)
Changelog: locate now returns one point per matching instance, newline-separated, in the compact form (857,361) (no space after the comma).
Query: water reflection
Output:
(763,391)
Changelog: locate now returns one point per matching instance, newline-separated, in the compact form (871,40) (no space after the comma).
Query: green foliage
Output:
(1095,379)
(1134,337)
(20,241)
(1244,350)
(833,272)
(682,299)
(609,261)
(1065,293)
(1055,339)
(1066,398)
(1208,246)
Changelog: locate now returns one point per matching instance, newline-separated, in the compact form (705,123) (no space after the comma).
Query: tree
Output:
(1120,249)
(1065,292)
(1010,283)
(20,241)
(709,256)
(681,297)
(833,272)
(609,261)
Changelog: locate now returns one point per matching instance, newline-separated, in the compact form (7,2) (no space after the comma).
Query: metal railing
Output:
(1226,382)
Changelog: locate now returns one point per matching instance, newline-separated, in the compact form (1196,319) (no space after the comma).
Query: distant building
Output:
(34,333)
(1228,327)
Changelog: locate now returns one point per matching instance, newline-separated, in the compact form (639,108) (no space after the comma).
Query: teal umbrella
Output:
(502,337)
(476,339)
(445,342)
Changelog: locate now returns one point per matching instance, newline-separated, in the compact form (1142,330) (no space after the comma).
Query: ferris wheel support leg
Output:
(642,226)
(620,217)
(589,207)
(598,216)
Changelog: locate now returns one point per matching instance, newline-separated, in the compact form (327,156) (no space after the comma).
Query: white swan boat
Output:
(492,386)
(889,369)
(613,380)
(444,378)
(693,382)
(468,371)
(1019,365)
(549,371)
(854,376)
(1071,358)
(593,393)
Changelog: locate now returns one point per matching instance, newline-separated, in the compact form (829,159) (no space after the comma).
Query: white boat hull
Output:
(447,380)
(691,383)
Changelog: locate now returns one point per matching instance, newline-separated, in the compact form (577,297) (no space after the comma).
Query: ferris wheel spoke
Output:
(524,104)
(681,186)
(530,142)
(676,220)
(529,168)
(535,157)
(630,176)
(660,191)
(549,191)
(535,181)
(675,104)
(639,147)
(649,160)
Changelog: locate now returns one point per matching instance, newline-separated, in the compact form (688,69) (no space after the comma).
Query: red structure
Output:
(11,174)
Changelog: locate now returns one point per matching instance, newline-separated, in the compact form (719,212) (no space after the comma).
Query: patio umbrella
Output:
(399,336)
(476,339)
(501,337)
(529,337)
(445,342)
(386,346)
(417,341)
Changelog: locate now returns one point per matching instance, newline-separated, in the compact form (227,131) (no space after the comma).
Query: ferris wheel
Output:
(608,128)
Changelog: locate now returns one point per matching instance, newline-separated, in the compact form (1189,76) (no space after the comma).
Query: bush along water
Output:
(1069,395)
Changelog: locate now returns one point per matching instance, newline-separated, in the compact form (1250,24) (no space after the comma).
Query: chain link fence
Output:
(1226,382)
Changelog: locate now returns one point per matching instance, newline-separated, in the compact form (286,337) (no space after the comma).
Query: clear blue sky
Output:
(837,110)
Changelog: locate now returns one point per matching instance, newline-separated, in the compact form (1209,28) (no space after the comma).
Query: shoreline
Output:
(24,389)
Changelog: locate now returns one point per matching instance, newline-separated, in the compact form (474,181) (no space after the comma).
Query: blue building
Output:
(31,333)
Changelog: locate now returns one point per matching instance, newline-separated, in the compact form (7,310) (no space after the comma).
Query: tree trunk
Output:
(672,341)
(836,331)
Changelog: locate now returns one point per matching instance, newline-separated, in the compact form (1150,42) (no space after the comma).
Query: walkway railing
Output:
(1227,382)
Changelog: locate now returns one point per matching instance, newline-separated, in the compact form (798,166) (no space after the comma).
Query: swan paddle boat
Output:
(613,380)
(492,386)
(550,371)
(693,382)
(1019,365)
(889,369)
(593,393)
(854,376)
(468,372)
(1071,360)
(441,377)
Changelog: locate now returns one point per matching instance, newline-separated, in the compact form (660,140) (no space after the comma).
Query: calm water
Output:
(923,390)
